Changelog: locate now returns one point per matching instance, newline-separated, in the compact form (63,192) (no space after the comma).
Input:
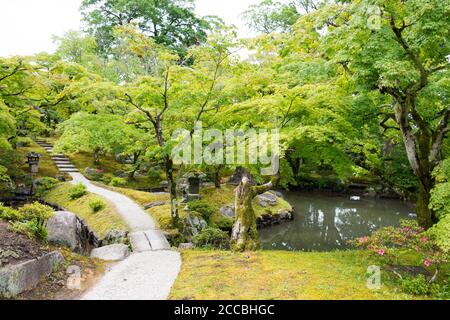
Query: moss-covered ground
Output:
(270,275)
(101,222)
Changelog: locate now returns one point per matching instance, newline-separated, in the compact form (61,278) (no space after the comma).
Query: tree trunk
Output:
(418,151)
(168,163)
(244,235)
(96,157)
(217,177)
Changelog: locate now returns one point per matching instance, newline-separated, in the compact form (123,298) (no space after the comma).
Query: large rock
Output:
(267,220)
(113,252)
(193,224)
(186,246)
(91,171)
(15,279)
(228,211)
(267,199)
(115,237)
(66,229)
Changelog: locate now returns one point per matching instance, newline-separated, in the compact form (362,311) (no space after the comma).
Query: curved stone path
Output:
(150,271)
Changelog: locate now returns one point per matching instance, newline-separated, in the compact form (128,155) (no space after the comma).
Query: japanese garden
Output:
(158,154)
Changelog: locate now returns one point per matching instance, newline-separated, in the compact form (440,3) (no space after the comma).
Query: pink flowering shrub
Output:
(390,242)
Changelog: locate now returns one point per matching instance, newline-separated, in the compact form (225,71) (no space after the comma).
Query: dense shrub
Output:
(212,238)
(30,228)
(29,219)
(24,141)
(224,224)
(440,291)
(77,191)
(97,205)
(440,233)
(202,207)
(409,236)
(154,173)
(415,285)
(44,186)
(117,182)
(36,211)
(9,214)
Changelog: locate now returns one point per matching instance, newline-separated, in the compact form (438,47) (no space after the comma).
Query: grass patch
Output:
(161,214)
(277,275)
(101,222)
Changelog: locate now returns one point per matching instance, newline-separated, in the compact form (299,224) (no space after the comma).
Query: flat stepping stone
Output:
(150,240)
(69,170)
(62,161)
(140,242)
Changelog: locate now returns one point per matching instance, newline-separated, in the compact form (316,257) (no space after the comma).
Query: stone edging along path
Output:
(150,271)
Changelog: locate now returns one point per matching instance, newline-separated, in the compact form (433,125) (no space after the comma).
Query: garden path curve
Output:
(150,271)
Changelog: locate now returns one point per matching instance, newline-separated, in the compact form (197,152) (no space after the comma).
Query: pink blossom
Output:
(381,252)
(424,239)
(406,229)
(427,263)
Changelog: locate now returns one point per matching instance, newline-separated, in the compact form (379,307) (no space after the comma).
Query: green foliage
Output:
(29,219)
(94,133)
(97,205)
(415,285)
(44,186)
(212,238)
(388,243)
(271,16)
(36,211)
(117,182)
(203,207)
(77,191)
(24,141)
(440,233)
(171,23)
(224,224)
(440,195)
(9,214)
(31,228)
(440,291)
(6,184)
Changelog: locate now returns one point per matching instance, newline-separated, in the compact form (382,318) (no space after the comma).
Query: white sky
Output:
(27,26)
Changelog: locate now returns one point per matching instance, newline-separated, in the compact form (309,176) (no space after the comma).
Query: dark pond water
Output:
(324,222)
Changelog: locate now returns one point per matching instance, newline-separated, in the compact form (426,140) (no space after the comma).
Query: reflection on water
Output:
(324,223)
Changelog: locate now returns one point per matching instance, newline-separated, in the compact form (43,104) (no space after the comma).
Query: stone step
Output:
(68,170)
(66,166)
(150,240)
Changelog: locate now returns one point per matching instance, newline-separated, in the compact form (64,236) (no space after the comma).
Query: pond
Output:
(324,223)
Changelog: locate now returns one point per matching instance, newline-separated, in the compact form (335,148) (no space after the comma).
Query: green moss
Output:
(101,222)
(269,275)
(47,167)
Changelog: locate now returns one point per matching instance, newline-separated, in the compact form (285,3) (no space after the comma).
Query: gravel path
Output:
(142,276)
(133,214)
(150,271)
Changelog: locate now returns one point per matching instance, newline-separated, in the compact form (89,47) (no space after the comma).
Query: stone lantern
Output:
(192,185)
(33,161)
